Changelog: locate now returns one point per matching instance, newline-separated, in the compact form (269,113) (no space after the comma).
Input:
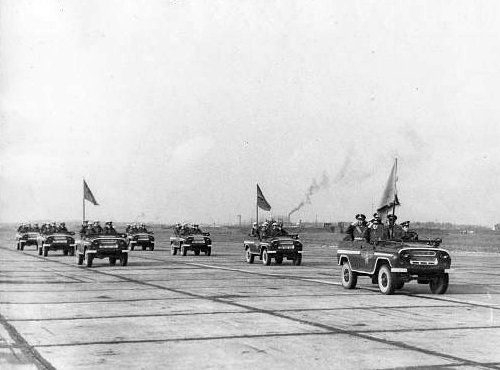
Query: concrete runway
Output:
(218,312)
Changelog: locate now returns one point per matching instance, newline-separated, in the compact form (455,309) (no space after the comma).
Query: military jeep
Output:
(145,240)
(190,239)
(61,241)
(101,246)
(277,247)
(391,264)
(26,239)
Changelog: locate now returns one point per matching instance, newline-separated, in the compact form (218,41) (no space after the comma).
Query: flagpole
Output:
(83,201)
(257,209)
(395,179)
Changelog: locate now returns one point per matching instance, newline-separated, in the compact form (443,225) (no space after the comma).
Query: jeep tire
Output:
(173,250)
(197,252)
(112,261)
(278,259)
(266,258)
(79,261)
(249,257)
(439,285)
(65,252)
(297,260)
(90,259)
(208,252)
(349,278)
(183,250)
(386,280)
(45,251)
(124,259)
(39,251)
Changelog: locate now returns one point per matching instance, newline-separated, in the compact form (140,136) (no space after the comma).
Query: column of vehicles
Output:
(389,254)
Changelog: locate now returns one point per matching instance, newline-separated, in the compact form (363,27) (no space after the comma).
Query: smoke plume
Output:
(311,190)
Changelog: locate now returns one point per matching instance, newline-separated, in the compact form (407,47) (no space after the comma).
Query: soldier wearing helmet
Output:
(255,230)
(127,229)
(85,225)
(36,228)
(62,228)
(97,227)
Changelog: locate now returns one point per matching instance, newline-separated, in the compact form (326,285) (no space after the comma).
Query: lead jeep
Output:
(278,247)
(101,246)
(145,240)
(61,241)
(391,264)
(26,239)
(191,239)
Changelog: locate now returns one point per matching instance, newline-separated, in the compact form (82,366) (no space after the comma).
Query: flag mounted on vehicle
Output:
(87,194)
(261,200)
(390,195)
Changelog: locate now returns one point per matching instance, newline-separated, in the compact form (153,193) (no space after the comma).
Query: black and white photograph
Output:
(249,184)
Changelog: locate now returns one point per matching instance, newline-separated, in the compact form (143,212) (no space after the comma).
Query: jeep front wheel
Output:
(80,259)
(386,280)
(440,284)
(45,251)
(249,257)
(173,250)
(183,250)
(124,259)
(266,259)
(39,251)
(297,260)
(90,259)
(349,277)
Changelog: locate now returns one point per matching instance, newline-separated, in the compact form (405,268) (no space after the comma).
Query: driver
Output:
(62,228)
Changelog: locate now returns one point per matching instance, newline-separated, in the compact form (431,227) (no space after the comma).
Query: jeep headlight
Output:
(404,255)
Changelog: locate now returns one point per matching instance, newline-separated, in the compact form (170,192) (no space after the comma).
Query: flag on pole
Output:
(87,194)
(390,194)
(261,200)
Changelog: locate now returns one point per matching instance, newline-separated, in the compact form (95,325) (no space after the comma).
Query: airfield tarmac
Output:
(218,312)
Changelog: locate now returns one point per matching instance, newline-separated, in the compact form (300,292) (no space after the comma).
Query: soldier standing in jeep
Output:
(357,230)
(393,231)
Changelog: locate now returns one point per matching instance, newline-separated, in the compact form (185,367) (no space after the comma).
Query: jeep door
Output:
(356,259)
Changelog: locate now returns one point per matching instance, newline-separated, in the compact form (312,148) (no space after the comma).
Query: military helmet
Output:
(392,217)
(360,216)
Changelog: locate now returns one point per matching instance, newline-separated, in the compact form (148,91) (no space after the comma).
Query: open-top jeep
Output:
(27,238)
(141,239)
(190,239)
(277,247)
(101,246)
(391,264)
(63,241)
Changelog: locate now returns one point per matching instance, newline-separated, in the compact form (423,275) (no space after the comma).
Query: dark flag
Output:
(261,201)
(390,196)
(87,194)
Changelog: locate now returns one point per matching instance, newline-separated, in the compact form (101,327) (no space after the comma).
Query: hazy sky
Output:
(174,110)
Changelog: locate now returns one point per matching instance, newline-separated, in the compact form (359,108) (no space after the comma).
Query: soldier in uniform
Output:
(392,230)
(36,228)
(62,228)
(358,230)
(376,231)
(143,228)
(109,229)
(127,229)
(97,227)
(264,229)
(255,230)
(85,225)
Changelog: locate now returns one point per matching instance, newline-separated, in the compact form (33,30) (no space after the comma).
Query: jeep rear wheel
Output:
(249,257)
(173,250)
(45,251)
(349,278)
(266,259)
(183,250)
(386,280)
(152,248)
(21,246)
(79,261)
(17,246)
(439,285)
(208,252)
